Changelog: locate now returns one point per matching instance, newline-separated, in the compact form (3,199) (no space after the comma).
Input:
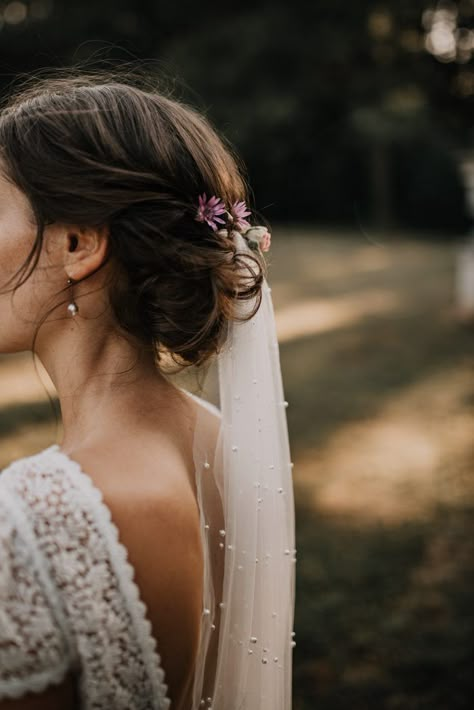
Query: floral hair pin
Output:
(210,210)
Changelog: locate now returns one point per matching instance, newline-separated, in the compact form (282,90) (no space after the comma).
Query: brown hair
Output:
(95,148)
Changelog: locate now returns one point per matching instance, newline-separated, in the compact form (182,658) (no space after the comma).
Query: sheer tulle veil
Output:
(245,494)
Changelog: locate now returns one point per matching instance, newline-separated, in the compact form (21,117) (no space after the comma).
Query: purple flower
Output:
(238,211)
(209,209)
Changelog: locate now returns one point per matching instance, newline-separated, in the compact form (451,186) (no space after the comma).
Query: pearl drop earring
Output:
(72,307)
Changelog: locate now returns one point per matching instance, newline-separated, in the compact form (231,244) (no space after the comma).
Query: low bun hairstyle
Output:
(100,148)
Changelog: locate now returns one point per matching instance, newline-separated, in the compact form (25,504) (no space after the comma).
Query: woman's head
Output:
(102,176)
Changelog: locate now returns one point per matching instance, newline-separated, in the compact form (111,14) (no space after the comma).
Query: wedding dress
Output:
(68,600)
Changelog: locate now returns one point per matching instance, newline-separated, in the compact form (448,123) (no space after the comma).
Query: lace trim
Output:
(125,574)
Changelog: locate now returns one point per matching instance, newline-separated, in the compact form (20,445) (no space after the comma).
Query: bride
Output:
(147,560)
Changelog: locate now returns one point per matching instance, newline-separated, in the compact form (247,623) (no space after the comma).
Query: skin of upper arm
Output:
(55,697)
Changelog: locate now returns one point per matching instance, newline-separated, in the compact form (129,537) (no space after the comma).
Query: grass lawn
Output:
(379,377)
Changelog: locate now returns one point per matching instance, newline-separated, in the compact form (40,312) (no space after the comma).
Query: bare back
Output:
(149,486)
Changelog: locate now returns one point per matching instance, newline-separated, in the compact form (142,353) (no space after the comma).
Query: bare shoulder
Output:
(208,417)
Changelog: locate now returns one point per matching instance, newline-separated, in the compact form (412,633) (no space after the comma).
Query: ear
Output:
(85,249)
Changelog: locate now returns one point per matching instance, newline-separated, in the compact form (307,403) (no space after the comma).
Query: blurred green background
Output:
(355,123)
(345,113)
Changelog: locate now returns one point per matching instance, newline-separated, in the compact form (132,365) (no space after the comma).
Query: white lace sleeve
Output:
(33,650)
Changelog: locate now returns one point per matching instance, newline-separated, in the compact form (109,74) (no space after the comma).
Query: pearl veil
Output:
(245,494)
